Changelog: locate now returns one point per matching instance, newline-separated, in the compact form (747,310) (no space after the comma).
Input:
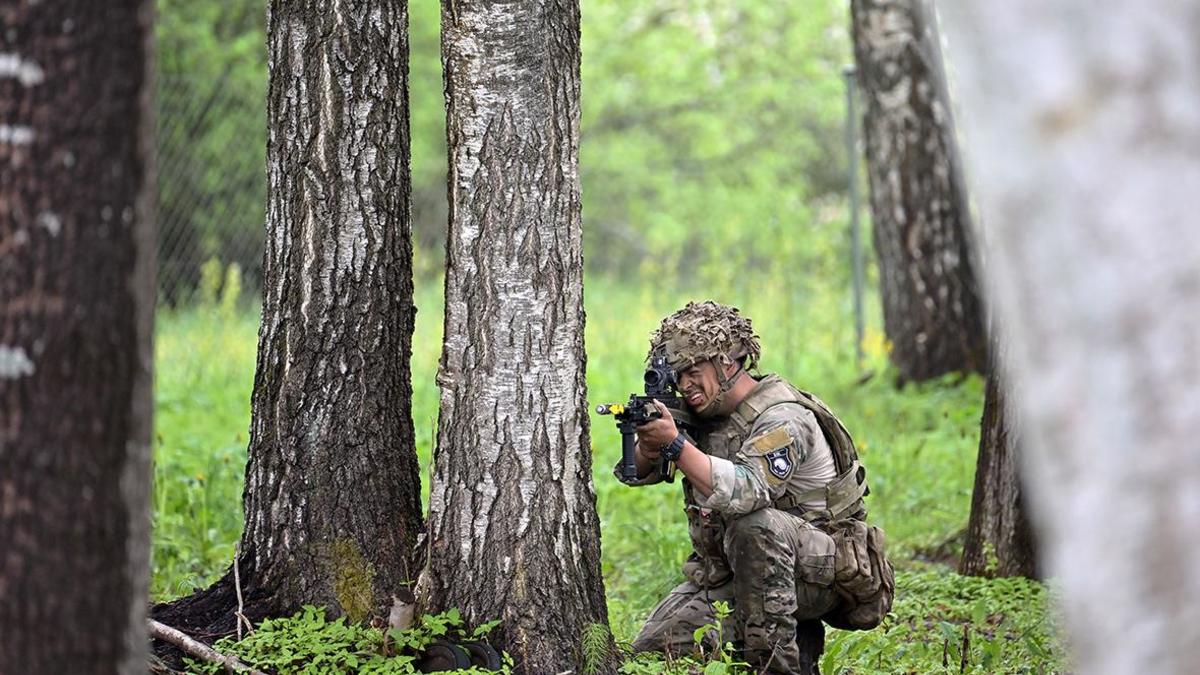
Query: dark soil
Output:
(208,614)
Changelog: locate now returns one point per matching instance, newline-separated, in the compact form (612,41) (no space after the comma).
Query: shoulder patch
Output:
(772,440)
(779,463)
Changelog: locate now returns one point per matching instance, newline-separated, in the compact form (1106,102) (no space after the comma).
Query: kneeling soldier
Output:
(764,473)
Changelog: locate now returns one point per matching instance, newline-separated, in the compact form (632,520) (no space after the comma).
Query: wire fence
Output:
(211,142)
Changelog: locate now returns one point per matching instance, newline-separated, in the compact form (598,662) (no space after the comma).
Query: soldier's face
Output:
(698,384)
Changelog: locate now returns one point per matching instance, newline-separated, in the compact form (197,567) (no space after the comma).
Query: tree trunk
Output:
(76,317)
(1000,540)
(514,533)
(332,495)
(1085,145)
(931,307)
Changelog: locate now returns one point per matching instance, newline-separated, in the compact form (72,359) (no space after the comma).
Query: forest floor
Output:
(919,444)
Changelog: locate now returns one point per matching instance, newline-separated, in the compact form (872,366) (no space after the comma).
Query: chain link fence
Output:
(211,142)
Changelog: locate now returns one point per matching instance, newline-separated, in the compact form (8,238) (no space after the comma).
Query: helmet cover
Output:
(702,331)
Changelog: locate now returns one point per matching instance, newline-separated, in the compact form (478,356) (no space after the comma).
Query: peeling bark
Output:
(76,317)
(1084,138)
(931,307)
(513,528)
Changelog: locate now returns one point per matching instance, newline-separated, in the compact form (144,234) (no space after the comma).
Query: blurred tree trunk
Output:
(332,495)
(1000,539)
(513,528)
(1084,133)
(931,308)
(76,316)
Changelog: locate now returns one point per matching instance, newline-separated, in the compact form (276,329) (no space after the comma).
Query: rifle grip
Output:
(628,457)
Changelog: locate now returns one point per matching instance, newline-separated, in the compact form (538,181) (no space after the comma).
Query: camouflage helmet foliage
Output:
(702,331)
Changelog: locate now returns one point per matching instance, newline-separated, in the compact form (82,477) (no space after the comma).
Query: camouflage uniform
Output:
(749,545)
(770,462)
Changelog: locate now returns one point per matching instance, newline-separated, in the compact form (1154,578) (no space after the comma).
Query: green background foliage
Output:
(712,167)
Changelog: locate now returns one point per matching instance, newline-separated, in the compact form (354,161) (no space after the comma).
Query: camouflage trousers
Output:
(782,573)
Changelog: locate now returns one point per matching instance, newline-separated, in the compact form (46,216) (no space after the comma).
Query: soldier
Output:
(757,476)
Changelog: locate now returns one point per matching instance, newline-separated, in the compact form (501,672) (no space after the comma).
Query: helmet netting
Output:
(702,331)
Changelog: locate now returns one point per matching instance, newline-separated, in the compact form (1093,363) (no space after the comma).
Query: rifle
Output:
(659,380)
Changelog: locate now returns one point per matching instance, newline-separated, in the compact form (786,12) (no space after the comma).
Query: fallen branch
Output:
(198,649)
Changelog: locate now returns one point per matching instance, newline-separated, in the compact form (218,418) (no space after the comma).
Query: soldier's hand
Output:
(651,455)
(656,434)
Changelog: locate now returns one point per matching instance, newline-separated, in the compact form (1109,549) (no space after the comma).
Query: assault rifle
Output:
(659,379)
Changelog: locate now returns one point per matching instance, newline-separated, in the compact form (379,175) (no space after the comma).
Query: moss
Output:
(353,580)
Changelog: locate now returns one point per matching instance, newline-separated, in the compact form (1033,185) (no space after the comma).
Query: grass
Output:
(918,443)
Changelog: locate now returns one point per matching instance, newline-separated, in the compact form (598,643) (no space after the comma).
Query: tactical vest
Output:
(844,494)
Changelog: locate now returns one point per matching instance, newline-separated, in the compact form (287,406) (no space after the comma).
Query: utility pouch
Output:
(863,577)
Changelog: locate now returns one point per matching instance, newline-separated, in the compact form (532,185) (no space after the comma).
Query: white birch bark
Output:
(512,516)
(1083,130)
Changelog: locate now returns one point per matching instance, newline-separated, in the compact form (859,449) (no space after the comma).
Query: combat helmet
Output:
(706,331)
(702,331)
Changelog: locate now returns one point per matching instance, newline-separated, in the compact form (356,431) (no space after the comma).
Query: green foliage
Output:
(711,132)
(210,136)
(720,661)
(597,641)
(945,623)
(204,372)
(309,643)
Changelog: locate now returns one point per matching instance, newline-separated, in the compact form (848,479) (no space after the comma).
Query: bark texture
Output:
(332,497)
(931,307)
(1085,137)
(513,528)
(76,312)
(1000,540)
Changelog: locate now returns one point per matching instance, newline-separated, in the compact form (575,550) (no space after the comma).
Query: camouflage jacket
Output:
(767,453)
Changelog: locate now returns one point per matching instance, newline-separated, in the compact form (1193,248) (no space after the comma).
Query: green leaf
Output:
(484,629)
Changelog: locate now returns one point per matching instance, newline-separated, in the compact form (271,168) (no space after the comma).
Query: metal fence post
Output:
(855,234)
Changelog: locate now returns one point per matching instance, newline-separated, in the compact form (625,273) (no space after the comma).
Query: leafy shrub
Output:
(309,643)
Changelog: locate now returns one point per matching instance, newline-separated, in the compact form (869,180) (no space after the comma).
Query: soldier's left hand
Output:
(660,432)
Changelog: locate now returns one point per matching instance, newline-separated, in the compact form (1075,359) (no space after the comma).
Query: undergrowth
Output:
(308,642)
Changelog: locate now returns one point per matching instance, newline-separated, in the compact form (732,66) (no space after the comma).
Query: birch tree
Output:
(513,531)
(931,308)
(1083,131)
(76,313)
(332,494)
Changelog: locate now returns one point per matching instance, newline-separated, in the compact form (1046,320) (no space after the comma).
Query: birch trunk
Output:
(332,500)
(76,316)
(931,308)
(332,494)
(1084,135)
(513,528)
